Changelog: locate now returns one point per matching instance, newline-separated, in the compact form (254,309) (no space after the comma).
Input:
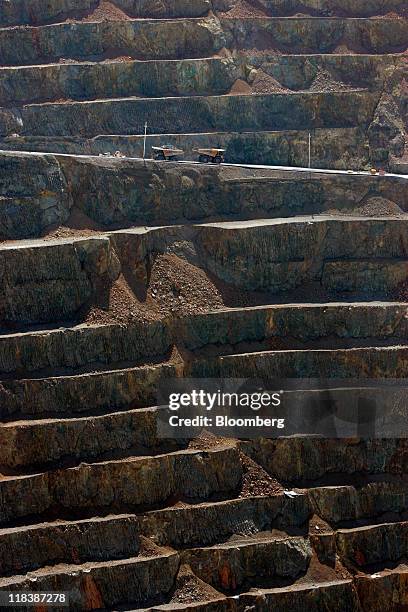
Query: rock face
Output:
(114,193)
(38,199)
(118,275)
(250,79)
(59,284)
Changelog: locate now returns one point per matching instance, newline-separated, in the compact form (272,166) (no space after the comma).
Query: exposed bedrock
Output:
(351,8)
(69,542)
(387,131)
(155,78)
(18,12)
(63,278)
(321,35)
(266,557)
(117,275)
(116,193)
(97,40)
(340,148)
(140,579)
(280,251)
(137,386)
(37,12)
(276,111)
(354,363)
(116,389)
(206,524)
(301,459)
(37,199)
(114,485)
(388,542)
(283,255)
(84,345)
(148,39)
(155,193)
(55,280)
(117,79)
(297,72)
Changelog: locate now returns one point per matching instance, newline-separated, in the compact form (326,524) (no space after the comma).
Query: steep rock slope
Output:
(117,274)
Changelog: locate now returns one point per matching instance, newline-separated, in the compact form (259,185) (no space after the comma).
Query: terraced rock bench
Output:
(86,58)
(37,12)
(318,35)
(359,8)
(341,148)
(301,460)
(198,114)
(283,256)
(340,363)
(137,386)
(96,80)
(293,325)
(129,192)
(133,483)
(72,274)
(289,274)
(144,39)
(149,578)
(188,77)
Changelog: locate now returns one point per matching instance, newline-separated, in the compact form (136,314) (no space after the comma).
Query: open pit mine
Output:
(118,273)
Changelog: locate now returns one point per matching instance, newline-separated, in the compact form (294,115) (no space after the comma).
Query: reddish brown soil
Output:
(317,572)
(207,440)
(178,287)
(318,526)
(240,87)
(67,60)
(190,589)
(379,207)
(149,548)
(266,50)
(264,83)
(245,9)
(78,224)
(392,15)
(175,288)
(121,59)
(106,11)
(374,207)
(255,481)
(343,49)
(120,305)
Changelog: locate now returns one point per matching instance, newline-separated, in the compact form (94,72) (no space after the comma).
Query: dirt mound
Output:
(378,207)
(265,83)
(207,440)
(119,305)
(106,11)
(190,589)
(175,288)
(245,9)
(78,224)
(178,287)
(255,481)
(240,87)
(343,49)
(324,82)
